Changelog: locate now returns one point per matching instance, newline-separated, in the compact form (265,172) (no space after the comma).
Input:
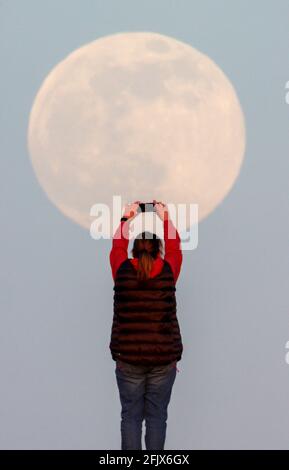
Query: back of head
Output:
(147,246)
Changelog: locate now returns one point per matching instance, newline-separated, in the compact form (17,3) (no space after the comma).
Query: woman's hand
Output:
(161,210)
(131,210)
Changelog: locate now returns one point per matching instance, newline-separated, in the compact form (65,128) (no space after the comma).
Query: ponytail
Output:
(146,250)
(145,263)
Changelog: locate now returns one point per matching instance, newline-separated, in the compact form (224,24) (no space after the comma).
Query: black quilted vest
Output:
(145,328)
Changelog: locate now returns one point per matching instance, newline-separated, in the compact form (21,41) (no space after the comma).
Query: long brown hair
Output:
(146,248)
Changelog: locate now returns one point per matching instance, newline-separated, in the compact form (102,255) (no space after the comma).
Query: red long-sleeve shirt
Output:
(172,250)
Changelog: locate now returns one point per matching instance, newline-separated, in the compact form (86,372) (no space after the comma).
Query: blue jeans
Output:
(145,393)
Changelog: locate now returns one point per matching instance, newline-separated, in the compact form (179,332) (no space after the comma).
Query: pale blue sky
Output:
(58,388)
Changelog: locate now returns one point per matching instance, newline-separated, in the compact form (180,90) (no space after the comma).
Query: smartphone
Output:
(146,207)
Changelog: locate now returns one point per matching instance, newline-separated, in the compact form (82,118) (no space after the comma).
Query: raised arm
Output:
(118,252)
(120,241)
(172,241)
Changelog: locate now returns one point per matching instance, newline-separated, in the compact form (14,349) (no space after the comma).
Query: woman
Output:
(145,339)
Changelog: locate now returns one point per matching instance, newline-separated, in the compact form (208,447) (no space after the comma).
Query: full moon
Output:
(140,115)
